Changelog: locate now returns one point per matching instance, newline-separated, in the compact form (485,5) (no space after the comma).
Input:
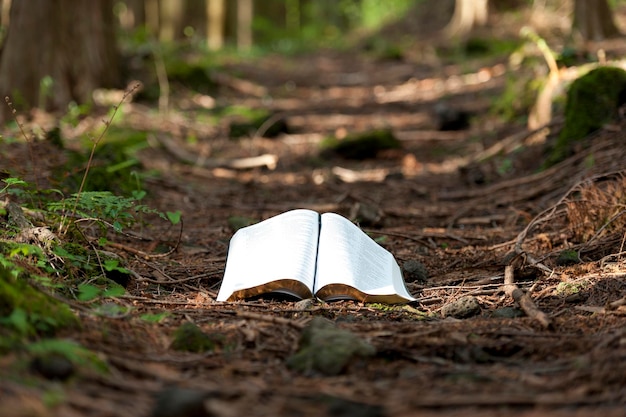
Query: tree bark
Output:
(216,22)
(66,46)
(593,20)
(171,14)
(244,24)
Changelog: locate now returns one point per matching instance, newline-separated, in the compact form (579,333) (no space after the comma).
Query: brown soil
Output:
(462,219)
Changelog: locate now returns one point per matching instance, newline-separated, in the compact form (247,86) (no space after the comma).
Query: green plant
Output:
(67,262)
(104,208)
(26,311)
(88,292)
(155,317)
(72,351)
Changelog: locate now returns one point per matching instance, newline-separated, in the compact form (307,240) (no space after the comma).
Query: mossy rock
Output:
(193,75)
(327,350)
(189,338)
(361,145)
(383,49)
(26,311)
(592,101)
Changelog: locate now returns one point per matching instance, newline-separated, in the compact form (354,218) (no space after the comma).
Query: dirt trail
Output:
(461,220)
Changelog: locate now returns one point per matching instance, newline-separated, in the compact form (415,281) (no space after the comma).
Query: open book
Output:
(305,254)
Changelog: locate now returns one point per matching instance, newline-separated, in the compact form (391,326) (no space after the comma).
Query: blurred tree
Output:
(131,14)
(58,51)
(467,14)
(593,20)
(216,22)
(171,15)
(245,14)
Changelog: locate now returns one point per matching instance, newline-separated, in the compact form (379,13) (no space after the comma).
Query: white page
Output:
(346,255)
(281,247)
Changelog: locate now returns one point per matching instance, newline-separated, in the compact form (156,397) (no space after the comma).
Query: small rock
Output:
(414,271)
(450,119)
(366,214)
(326,349)
(339,407)
(53,366)
(180,402)
(462,308)
(306,304)
(507,313)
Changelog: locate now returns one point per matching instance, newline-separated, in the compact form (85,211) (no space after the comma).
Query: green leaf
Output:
(26,250)
(88,292)
(19,320)
(114,291)
(14,181)
(138,194)
(11,182)
(174,217)
(111,265)
(154,318)
(74,352)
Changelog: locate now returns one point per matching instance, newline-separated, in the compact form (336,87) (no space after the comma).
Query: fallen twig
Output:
(523,299)
(237,84)
(188,157)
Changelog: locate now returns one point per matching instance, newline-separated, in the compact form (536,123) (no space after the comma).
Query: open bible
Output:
(305,254)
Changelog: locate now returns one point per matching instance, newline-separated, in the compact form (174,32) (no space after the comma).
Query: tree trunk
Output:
(65,46)
(593,20)
(216,22)
(467,14)
(244,24)
(171,13)
(132,15)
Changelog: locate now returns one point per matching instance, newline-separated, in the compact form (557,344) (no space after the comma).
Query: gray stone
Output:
(508,313)
(414,271)
(327,350)
(462,308)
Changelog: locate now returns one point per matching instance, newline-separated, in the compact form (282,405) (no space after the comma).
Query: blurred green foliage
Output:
(323,22)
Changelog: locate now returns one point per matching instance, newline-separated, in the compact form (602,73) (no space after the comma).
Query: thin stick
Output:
(525,302)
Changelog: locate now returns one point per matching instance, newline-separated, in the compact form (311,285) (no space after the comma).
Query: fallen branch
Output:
(523,299)
(237,84)
(188,157)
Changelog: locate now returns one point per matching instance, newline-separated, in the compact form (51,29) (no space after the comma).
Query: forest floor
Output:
(465,204)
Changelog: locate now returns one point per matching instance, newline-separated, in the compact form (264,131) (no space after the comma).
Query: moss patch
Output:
(360,146)
(592,101)
(26,311)
(327,350)
(189,338)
